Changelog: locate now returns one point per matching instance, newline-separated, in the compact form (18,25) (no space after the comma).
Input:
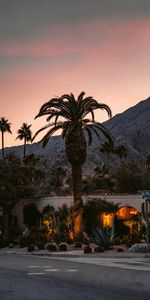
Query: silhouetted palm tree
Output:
(4,127)
(24,133)
(107,147)
(121,150)
(74,117)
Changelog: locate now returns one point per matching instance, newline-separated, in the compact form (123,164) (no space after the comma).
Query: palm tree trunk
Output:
(24,154)
(78,203)
(2,144)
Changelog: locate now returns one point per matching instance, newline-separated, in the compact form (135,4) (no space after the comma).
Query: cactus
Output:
(102,237)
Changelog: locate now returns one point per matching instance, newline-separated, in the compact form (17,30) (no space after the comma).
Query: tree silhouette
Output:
(74,117)
(4,127)
(24,133)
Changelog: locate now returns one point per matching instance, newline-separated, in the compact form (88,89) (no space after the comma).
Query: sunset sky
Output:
(48,48)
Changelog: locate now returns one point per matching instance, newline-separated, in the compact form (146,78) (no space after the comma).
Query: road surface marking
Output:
(40,273)
(61,270)
(52,270)
(45,267)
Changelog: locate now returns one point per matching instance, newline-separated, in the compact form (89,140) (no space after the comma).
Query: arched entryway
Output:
(126,217)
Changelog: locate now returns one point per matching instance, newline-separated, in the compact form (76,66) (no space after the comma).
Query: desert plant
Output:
(52,247)
(31,248)
(14,232)
(92,209)
(102,237)
(128,240)
(63,247)
(87,249)
(98,249)
(120,250)
(4,243)
(26,241)
(40,245)
(11,245)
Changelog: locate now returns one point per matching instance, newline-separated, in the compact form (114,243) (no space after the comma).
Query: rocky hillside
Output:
(131,128)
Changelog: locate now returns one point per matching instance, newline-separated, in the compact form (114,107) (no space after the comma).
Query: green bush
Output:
(128,241)
(4,243)
(31,248)
(52,247)
(120,250)
(98,249)
(25,241)
(63,247)
(14,232)
(11,245)
(87,249)
(40,245)
(69,241)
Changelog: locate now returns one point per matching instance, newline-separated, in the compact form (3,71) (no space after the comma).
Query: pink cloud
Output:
(112,65)
(86,38)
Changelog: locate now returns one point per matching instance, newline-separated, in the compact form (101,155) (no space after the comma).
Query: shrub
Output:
(69,241)
(4,243)
(14,232)
(40,245)
(31,248)
(120,250)
(98,249)
(102,237)
(63,247)
(15,242)
(87,249)
(52,247)
(25,241)
(118,241)
(128,241)
(11,245)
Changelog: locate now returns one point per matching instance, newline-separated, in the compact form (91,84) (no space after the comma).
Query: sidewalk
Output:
(75,253)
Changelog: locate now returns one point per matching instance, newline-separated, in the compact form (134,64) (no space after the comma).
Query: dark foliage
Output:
(52,247)
(87,249)
(31,215)
(63,247)
(92,210)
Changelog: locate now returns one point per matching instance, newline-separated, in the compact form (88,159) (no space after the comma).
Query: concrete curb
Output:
(79,255)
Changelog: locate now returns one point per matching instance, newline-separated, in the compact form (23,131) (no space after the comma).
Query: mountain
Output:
(131,128)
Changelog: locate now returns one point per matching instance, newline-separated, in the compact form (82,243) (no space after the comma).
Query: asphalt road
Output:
(30,277)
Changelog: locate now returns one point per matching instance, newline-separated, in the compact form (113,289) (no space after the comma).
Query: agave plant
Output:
(102,237)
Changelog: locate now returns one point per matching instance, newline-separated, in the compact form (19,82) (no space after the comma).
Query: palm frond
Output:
(48,135)
(105,107)
(105,131)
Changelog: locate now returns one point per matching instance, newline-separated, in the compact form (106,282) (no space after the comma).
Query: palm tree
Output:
(121,150)
(4,127)
(107,147)
(74,117)
(24,133)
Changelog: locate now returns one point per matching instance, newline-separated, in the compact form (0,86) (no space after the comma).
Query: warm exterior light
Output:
(126,213)
(107,219)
